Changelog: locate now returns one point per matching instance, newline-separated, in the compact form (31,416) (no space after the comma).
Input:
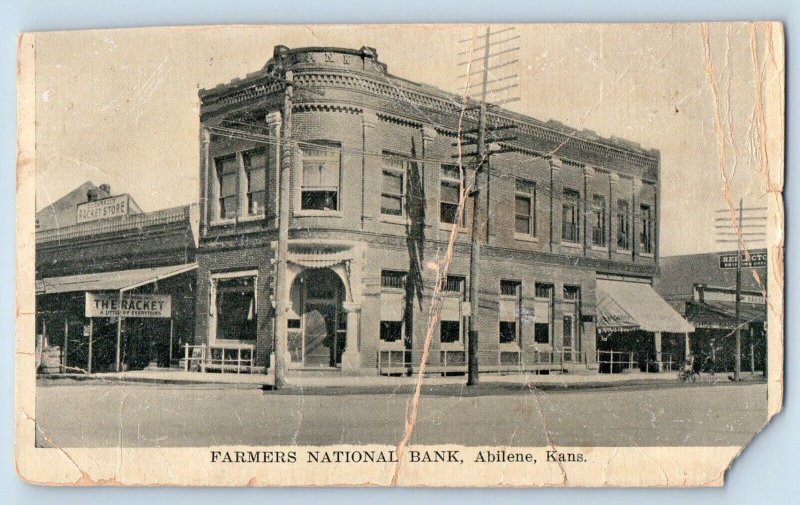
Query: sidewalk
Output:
(376,383)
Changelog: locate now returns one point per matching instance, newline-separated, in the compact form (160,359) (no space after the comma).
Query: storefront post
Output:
(119,334)
(687,346)
(657,337)
(66,341)
(351,357)
(91,334)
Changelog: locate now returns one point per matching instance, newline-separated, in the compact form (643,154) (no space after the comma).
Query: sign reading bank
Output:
(103,209)
(140,305)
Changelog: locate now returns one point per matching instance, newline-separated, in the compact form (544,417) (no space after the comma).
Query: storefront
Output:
(637,329)
(116,321)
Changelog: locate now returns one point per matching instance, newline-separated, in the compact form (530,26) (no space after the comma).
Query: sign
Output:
(39,286)
(757,259)
(105,208)
(140,305)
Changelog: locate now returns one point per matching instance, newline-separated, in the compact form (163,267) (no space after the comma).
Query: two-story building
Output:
(97,252)
(571,245)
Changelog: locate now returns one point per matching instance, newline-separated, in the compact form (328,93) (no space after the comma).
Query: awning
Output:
(623,305)
(716,314)
(109,281)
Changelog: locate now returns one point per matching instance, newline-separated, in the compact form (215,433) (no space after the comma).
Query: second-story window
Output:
(623,226)
(646,235)
(393,186)
(525,208)
(599,221)
(228,182)
(320,185)
(570,231)
(255,167)
(449,192)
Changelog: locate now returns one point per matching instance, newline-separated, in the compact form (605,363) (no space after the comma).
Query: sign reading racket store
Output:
(113,206)
(138,305)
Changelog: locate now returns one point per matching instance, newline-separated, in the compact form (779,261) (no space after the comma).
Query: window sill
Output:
(318,213)
(572,245)
(599,248)
(647,255)
(509,347)
(222,222)
(397,345)
(449,227)
(451,346)
(384,218)
(524,237)
(626,252)
(232,344)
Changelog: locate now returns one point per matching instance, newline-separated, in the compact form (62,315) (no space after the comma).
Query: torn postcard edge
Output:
(361,336)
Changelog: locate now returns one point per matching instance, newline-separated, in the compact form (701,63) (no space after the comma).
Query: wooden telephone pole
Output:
(481,138)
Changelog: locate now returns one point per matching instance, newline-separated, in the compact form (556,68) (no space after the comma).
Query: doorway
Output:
(324,323)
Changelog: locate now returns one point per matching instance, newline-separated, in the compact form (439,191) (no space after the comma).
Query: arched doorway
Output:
(320,293)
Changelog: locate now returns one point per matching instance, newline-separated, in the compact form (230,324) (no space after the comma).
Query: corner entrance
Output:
(323,322)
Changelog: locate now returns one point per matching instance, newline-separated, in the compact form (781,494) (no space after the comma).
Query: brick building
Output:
(93,245)
(571,245)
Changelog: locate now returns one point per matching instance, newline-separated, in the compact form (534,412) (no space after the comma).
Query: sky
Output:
(121,106)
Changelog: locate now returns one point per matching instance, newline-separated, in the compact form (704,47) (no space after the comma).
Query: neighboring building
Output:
(113,252)
(705,293)
(573,227)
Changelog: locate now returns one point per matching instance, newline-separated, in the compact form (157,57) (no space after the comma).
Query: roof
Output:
(716,314)
(64,211)
(679,274)
(625,305)
(110,281)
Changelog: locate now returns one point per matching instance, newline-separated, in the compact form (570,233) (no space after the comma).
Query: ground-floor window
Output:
(543,313)
(510,305)
(450,332)
(235,308)
(393,304)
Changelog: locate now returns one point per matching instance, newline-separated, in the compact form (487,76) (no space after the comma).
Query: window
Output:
(508,332)
(599,221)
(255,167)
(510,305)
(320,185)
(391,331)
(450,332)
(623,225)
(236,308)
(646,235)
(541,333)
(228,182)
(525,208)
(543,313)
(449,192)
(572,293)
(509,288)
(569,321)
(393,186)
(570,223)
(453,284)
(392,279)
(544,291)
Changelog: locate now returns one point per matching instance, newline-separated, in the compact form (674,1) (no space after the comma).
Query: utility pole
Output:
(480,191)
(737,371)
(281,290)
(751,228)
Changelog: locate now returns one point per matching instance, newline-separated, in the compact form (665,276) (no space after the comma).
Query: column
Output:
(613,183)
(636,186)
(206,180)
(588,173)
(687,346)
(351,357)
(370,167)
(657,341)
(556,195)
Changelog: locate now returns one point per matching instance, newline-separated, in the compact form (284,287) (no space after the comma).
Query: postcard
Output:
(398,255)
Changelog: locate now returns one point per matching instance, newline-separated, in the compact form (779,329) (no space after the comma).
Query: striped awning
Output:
(630,305)
(109,281)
